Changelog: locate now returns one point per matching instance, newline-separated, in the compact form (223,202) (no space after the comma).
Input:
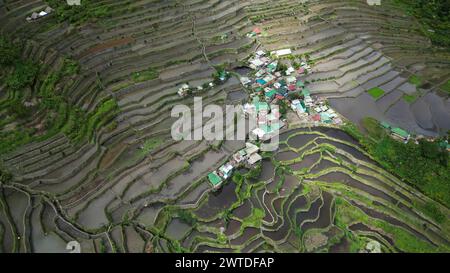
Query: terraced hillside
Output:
(95,162)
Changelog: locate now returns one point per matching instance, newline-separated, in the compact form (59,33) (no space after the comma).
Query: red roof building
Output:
(257,30)
(316,117)
(292,87)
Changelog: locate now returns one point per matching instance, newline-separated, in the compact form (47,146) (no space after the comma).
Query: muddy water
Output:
(187,243)
(177,229)
(41,242)
(311,213)
(299,203)
(301,140)
(324,164)
(194,195)
(246,235)
(363,227)
(148,215)
(422,113)
(237,96)
(336,133)
(197,168)
(306,162)
(243,211)
(94,215)
(391,220)
(324,215)
(206,249)
(268,199)
(233,227)
(346,179)
(342,247)
(135,243)
(289,184)
(267,170)
(441,111)
(346,148)
(253,245)
(286,156)
(284,136)
(357,108)
(218,201)
(243,70)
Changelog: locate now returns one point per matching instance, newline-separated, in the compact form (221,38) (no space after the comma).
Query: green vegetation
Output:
(376,92)
(284,107)
(5,176)
(410,98)
(145,75)
(70,67)
(9,52)
(446,87)
(434,17)
(23,75)
(432,210)
(187,217)
(254,220)
(425,166)
(220,75)
(23,81)
(150,145)
(416,80)
(346,214)
(88,10)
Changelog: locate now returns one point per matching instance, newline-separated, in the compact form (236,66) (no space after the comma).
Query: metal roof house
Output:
(400,133)
(215,179)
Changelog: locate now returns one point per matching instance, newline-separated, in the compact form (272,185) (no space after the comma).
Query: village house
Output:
(400,134)
(183,90)
(37,15)
(282,52)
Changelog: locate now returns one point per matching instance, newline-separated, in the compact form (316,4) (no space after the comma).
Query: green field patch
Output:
(145,75)
(416,80)
(254,220)
(446,87)
(410,98)
(150,145)
(376,92)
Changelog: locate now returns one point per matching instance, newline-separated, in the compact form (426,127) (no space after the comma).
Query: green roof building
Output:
(271,93)
(215,179)
(325,117)
(400,132)
(260,106)
(385,125)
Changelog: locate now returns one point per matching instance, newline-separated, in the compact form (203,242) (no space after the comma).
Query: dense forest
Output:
(434,17)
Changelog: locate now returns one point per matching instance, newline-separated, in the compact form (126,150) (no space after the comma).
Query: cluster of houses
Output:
(254,33)
(247,156)
(37,15)
(275,85)
(404,136)
(266,117)
(185,89)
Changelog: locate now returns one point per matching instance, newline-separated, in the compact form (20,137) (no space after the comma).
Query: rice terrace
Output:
(353,95)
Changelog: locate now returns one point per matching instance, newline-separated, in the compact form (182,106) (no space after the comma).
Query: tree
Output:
(5,176)
(23,75)
(9,52)
(283,107)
